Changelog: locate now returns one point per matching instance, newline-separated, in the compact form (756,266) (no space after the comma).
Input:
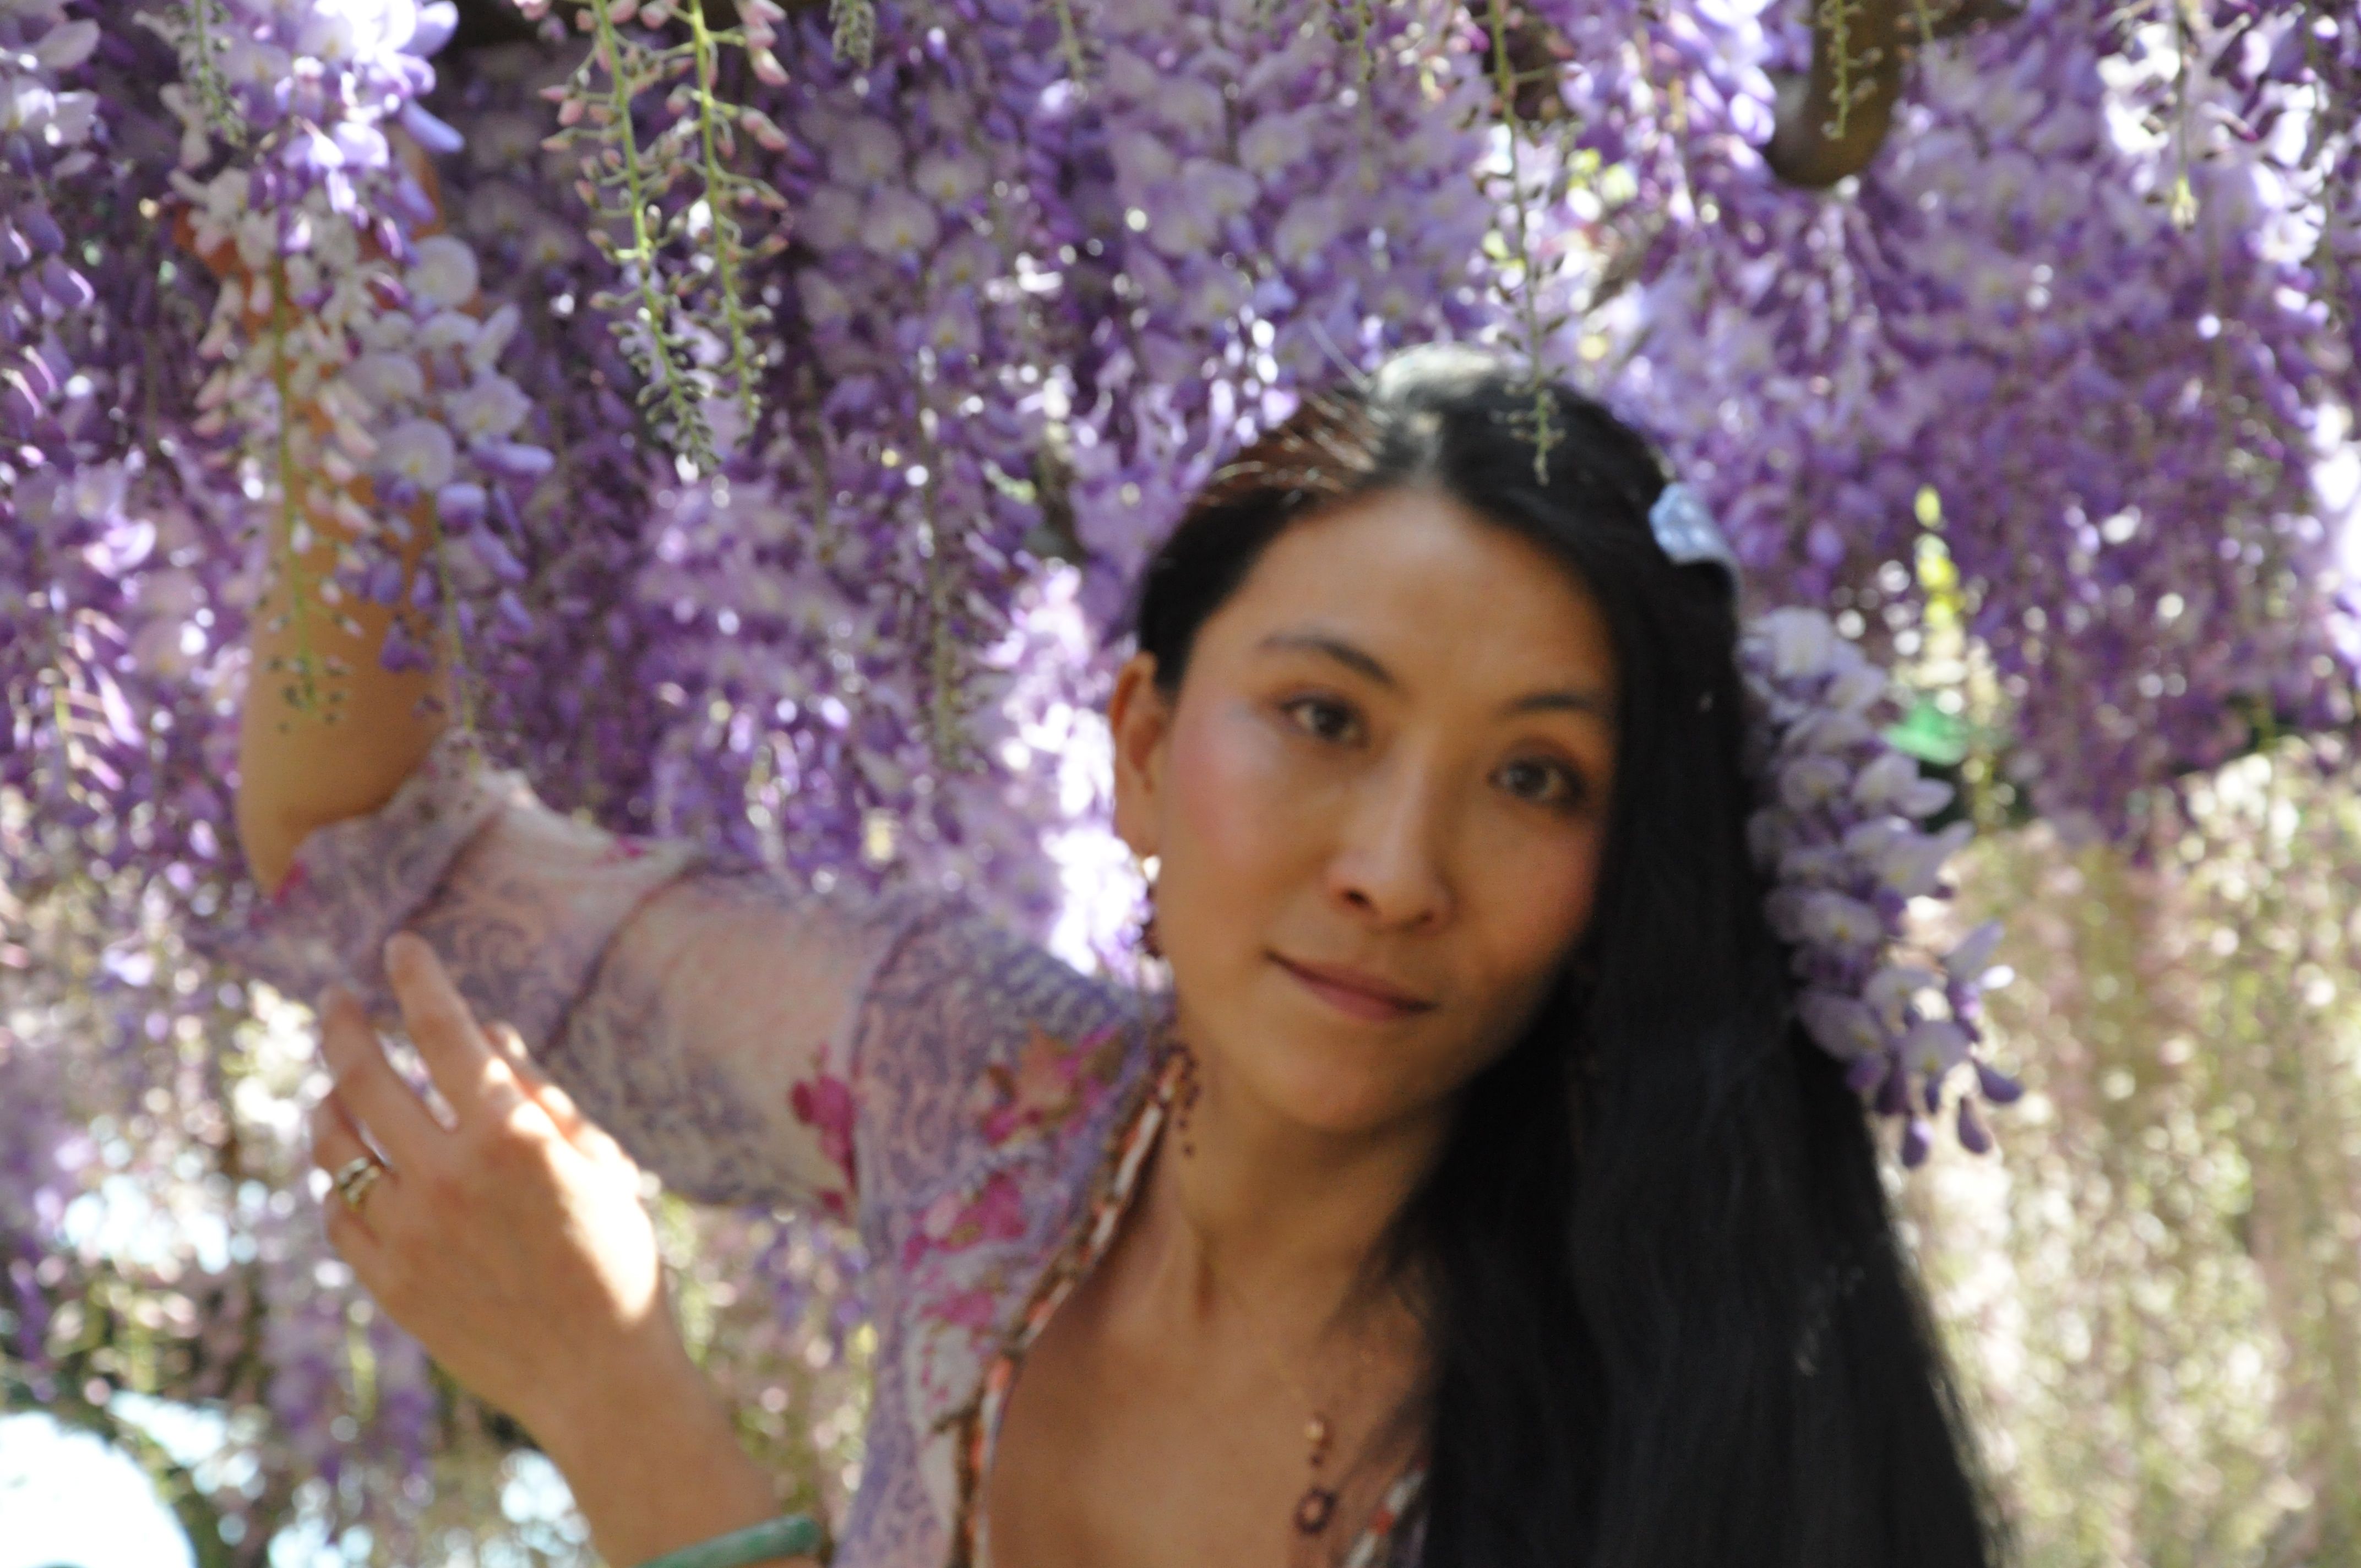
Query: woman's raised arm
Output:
(303,765)
(701,1012)
(317,751)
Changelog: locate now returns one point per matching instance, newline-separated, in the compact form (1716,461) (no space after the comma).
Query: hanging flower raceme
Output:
(1840,833)
(656,143)
(1840,836)
(2292,118)
(64,721)
(850,588)
(540,593)
(356,386)
(2123,516)
(1280,203)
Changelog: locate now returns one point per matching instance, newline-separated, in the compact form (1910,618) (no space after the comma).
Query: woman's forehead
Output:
(1414,576)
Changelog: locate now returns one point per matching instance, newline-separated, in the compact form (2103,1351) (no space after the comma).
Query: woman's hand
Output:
(513,1245)
(514,1248)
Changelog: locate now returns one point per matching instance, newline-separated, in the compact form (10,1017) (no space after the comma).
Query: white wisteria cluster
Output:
(1841,834)
(375,381)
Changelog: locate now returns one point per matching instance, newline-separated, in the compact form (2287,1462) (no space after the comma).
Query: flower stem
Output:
(718,181)
(687,419)
(1543,431)
(303,693)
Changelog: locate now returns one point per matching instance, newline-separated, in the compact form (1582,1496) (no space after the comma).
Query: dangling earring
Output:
(1184,1099)
(1155,1019)
(1181,1059)
(1144,935)
(1148,942)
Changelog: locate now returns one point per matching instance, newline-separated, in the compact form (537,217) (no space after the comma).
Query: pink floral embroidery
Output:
(824,1102)
(995,1213)
(623,848)
(1053,1081)
(971,1310)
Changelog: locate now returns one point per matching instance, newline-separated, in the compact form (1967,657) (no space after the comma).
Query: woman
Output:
(1472,1199)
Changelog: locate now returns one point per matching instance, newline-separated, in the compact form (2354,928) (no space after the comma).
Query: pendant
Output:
(1314,1509)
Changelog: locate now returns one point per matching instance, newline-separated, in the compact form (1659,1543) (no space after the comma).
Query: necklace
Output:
(1317,1506)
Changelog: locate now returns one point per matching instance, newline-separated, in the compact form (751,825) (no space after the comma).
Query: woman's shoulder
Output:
(979,1051)
(992,1125)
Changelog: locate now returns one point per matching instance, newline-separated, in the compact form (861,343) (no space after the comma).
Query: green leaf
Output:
(1929,734)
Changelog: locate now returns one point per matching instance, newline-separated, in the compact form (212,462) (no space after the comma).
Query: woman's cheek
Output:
(1231,789)
(1542,908)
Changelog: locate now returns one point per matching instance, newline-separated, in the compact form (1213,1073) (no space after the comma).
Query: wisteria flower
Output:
(420,452)
(899,223)
(948,178)
(489,408)
(1841,838)
(388,378)
(444,272)
(863,154)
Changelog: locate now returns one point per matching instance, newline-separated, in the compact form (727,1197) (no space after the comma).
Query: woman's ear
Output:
(1139,720)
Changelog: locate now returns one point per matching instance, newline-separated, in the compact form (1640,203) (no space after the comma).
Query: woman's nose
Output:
(1389,860)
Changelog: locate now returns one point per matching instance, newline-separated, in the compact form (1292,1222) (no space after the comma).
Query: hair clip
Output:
(1688,533)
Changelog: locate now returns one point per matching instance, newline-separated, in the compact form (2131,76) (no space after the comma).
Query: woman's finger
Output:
(336,1144)
(336,1139)
(529,1078)
(580,1130)
(476,1078)
(368,1085)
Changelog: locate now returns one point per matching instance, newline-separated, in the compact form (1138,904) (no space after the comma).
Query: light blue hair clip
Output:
(1688,533)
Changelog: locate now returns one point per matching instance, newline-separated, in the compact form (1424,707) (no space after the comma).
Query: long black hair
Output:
(1670,1324)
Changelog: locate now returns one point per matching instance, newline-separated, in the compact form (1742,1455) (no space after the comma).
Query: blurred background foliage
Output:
(2155,1290)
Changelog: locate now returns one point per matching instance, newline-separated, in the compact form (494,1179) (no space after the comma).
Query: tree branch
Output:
(1832,121)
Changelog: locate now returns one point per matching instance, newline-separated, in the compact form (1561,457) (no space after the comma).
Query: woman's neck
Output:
(1247,1205)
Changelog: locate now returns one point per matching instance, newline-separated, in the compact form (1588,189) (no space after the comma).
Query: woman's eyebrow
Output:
(1336,648)
(1367,663)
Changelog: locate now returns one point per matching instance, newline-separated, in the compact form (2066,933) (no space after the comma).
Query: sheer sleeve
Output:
(704,1013)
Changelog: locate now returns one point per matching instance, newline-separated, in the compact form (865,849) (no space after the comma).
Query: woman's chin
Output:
(1326,1090)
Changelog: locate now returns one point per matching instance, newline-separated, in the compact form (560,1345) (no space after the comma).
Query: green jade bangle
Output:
(791,1535)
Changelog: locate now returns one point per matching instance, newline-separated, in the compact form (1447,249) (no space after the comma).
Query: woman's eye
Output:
(1548,784)
(1321,716)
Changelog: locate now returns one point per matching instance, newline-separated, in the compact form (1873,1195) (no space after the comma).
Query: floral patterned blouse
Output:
(977,1108)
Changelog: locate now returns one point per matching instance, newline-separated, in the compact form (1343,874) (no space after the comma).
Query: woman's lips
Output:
(1355,995)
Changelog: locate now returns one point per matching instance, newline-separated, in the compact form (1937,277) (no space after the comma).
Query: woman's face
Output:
(1390,760)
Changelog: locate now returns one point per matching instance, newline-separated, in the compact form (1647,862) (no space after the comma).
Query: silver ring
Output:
(354,1177)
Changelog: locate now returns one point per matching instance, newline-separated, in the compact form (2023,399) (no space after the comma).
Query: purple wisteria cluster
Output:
(549,674)
(2290,113)
(803,654)
(1269,201)
(106,653)
(1839,834)
(57,485)
(2049,330)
